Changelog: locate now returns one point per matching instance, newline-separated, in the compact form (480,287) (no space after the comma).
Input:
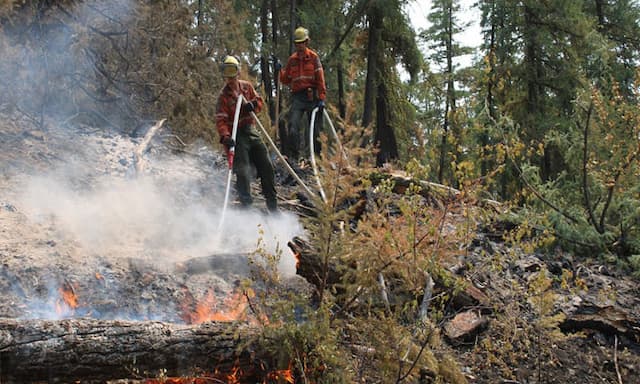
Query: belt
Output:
(304,90)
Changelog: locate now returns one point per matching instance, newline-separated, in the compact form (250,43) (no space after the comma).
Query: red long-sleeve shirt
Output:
(226,108)
(304,70)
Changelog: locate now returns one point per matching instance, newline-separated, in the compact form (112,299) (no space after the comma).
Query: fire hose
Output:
(231,153)
(284,161)
(230,156)
(312,156)
(312,149)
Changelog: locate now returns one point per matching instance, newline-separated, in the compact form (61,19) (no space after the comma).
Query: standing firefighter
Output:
(248,145)
(305,76)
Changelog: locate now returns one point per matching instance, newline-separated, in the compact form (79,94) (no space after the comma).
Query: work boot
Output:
(272,206)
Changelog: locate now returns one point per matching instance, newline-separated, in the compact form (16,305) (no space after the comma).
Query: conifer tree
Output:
(445,25)
(390,38)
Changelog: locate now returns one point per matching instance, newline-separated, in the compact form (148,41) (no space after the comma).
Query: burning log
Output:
(311,267)
(97,350)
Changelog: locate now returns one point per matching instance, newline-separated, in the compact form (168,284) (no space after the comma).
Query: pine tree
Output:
(390,38)
(445,25)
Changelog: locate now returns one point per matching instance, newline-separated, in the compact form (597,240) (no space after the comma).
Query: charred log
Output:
(609,320)
(92,350)
(312,267)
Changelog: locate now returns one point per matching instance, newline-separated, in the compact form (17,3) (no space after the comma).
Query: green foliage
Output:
(593,204)
(634,261)
(369,326)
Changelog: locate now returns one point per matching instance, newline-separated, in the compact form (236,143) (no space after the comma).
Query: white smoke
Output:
(169,214)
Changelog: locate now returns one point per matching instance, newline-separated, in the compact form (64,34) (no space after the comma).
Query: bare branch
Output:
(585,161)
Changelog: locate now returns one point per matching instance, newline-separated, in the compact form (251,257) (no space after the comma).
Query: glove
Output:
(248,107)
(228,141)
(276,64)
(320,106)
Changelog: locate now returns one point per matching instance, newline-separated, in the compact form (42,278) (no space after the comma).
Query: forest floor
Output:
(76,218)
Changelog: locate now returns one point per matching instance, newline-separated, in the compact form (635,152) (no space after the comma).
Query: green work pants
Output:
(302,104)
(251,150)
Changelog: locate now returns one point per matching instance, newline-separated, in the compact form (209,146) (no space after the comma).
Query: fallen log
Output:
(90,350)
(610,320)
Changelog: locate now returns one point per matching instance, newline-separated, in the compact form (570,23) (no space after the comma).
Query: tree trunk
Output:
(265,70)
(92,350)
(375,40)
(600,4)
(385,138)
(342,105)
(443,143)
(293,22)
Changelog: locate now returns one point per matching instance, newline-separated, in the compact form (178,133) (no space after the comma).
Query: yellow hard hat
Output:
(230,67)
(301,35)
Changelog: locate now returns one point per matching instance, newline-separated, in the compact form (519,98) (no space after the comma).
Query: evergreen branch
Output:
(397,258)
(611,188)
(529,185)
(107,34)
(553,231)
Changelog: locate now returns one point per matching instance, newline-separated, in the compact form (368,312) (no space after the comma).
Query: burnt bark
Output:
(374,18)
(312,267)
(92,350)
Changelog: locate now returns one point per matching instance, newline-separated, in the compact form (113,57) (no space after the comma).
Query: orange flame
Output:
(297,255)
(67,302)
(234,376)
(180,380)
(233,308)
(283,374)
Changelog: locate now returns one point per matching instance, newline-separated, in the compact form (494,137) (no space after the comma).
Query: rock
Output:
(464,326)
(529,264)
(9,207)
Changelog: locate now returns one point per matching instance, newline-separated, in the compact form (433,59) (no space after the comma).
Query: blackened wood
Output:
(311,266)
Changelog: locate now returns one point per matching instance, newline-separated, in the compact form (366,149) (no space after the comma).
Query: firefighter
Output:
(304,75)
(249,147)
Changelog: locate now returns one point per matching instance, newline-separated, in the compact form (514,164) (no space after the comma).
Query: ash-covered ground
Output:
(83,234)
